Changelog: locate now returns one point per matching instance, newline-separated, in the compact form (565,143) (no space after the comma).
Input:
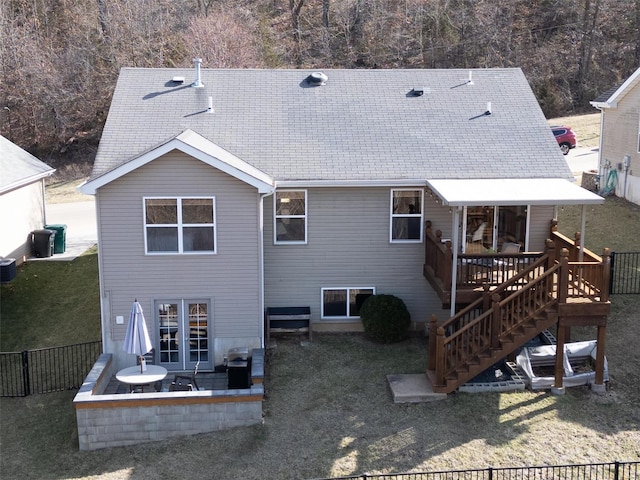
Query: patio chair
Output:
(478,234)
(185,383)
(506,264)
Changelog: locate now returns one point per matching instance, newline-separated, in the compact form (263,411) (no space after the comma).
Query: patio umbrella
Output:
(137,340)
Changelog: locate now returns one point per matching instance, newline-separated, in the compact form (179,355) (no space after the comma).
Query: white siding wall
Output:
(21,212)
(348,246)
(540,226)
(230,279)
(619,138)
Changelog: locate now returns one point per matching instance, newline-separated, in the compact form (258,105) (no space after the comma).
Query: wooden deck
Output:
(505,300)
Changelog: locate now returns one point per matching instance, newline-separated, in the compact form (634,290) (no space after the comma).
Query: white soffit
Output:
(512,191)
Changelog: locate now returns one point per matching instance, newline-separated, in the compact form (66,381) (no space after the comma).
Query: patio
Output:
(108,416)
(206,381)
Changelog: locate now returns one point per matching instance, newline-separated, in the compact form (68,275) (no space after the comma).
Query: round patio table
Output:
(133,376)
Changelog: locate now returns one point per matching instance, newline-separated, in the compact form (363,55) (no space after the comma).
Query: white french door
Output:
(183,333)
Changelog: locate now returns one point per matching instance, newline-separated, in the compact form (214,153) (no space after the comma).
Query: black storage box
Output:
(238,374)
(7,269)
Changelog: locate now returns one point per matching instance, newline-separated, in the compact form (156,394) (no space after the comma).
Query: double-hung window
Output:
(406,215)
(344,303)
(180,225)
(290,217)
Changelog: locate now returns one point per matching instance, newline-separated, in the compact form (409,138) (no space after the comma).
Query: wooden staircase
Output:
(493,326)
(562,286)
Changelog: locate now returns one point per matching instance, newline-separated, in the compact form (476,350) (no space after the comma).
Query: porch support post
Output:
(558,387)
(583,224)
(455,224)
(598,385)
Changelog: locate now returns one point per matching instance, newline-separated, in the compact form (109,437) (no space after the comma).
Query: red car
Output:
(566,138)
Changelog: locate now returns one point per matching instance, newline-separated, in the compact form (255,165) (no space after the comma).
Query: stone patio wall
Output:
(128,419)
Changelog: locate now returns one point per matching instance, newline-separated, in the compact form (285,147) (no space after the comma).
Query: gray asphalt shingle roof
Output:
(18,167)
(362,125)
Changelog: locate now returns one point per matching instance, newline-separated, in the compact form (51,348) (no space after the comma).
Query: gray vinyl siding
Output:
(620,137)
(539,226)
(230,279)
(348,246)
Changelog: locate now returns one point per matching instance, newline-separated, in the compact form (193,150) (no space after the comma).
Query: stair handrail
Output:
(446,352)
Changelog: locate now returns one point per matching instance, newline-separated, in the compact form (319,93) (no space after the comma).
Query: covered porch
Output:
(491,232)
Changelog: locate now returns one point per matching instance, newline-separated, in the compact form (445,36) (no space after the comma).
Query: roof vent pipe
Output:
(470,81)
(197,83)
(488,111)
(210,107)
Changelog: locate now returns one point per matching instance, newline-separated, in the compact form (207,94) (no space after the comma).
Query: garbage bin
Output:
(60,240)
(7,269)
(42,243)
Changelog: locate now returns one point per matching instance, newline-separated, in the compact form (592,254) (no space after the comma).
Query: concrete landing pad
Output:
(412,388)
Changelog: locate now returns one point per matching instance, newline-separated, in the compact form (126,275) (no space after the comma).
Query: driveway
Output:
(81,232)
(582,159)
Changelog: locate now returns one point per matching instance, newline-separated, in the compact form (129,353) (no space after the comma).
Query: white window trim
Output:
(305,217)
(342,318)
(405,215)
(180,226)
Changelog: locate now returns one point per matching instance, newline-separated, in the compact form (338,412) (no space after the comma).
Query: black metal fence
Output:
(46,370)
(593,471)
(625,272)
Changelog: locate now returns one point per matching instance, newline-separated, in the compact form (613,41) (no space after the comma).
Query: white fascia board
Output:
(601,105)
(512,191)
(197,147)
(612,101)
(350,183)
(23,182)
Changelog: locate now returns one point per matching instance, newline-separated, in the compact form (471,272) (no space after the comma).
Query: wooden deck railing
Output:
(478,328)
(481,327)
(493,269)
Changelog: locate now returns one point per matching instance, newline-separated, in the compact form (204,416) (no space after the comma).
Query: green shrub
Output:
(385,318)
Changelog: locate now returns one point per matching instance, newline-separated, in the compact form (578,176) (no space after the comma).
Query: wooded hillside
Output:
(60,58)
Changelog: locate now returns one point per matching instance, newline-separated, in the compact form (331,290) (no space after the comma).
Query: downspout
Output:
(44,203)
(454,267)
(601,174)
(261,254)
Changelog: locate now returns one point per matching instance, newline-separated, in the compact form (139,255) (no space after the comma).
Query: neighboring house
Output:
(22,202)
(221,193)
(620,139)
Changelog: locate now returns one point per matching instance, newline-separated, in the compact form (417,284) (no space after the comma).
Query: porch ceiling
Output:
(512,191)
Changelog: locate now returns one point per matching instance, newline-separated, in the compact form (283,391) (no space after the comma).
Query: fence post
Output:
(490,470)
(611,272)
(616,470)
(25,372)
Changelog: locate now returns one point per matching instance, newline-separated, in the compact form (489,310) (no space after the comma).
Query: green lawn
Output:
(51,303)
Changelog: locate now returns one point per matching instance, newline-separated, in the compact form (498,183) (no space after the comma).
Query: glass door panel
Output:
(184,332)
(169,335)
(512,225)
(479,229)
(198,338)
